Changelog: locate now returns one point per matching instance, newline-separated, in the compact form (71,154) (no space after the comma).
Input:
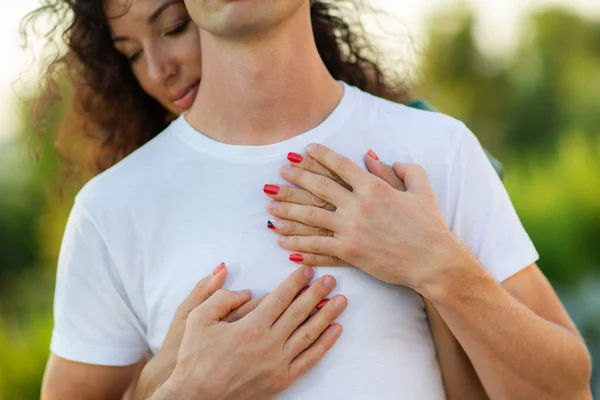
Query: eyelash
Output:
(178,30)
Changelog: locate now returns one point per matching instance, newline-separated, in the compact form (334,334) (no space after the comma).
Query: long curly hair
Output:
(105,104)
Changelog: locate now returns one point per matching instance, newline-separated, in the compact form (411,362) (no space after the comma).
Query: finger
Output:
(218,306)
(321,186)
(310,244)
(304,304)
(310,330)
(349,171)
(310,164)
(244,310)
(311,356)
(308,215)
(294,228)
(205,288)
(280,299)
(317,260)
(296,195)
(383,171)
(413,176)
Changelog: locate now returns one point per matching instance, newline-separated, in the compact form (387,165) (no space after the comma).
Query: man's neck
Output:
(264,90)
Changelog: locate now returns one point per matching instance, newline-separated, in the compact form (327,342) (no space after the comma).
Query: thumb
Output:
(219,305)
(413,176)
(383,171)
(205,288)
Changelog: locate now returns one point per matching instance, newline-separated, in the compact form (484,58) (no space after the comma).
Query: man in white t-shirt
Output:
(192,197)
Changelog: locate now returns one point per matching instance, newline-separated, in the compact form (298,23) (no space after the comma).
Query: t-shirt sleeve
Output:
(93,320)
(482,214)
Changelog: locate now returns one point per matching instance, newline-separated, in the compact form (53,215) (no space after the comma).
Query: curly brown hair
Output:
(107,106)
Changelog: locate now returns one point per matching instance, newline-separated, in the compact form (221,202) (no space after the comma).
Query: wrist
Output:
(453,269)
(172,389)
(181,385)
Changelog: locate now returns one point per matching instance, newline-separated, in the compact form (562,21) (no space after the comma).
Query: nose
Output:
(161,67)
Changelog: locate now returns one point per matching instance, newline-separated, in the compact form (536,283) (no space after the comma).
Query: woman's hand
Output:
(263,352)
(459,377)
(396,236)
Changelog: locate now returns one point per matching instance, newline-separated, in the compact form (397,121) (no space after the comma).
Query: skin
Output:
(282,340)
(163,47)
(528,339)
(166,68)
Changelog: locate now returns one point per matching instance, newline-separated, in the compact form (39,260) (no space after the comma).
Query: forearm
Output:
(154,375)
(460,379)
(516,354)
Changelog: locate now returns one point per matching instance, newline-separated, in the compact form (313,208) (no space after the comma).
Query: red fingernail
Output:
(219,269)
(295,157)
(304,290)
(373,155)
(295,257)
(322,303)
(271,189)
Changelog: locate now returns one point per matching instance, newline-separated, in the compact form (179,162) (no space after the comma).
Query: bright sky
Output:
(498,26)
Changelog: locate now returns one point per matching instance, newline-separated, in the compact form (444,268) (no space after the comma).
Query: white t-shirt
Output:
(141,234)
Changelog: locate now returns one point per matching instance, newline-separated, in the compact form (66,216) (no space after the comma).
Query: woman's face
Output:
(163,46)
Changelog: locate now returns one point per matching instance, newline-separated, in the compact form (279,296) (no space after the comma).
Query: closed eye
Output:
(179,29)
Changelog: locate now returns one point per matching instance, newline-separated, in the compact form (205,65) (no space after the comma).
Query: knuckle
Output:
(298,315)
(253,331)
(291,227)
(314,246)
(292,242)
(194,317)
(300,174)
(287,193)
(282,299)
(352,250)
(323,184)
(306,337)
(380,188)
(311,216)
(311,260)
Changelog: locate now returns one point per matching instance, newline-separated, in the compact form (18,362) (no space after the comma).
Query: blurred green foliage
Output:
(539,112)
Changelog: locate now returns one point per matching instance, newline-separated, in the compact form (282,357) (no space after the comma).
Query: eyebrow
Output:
(153,17)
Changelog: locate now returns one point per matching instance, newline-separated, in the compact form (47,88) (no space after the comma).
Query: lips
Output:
(186,99)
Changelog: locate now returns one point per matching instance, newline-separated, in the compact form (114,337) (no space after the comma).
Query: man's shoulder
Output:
(425,135)
(133,177)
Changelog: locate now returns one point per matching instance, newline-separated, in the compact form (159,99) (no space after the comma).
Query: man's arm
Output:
(66,379)
(482,314)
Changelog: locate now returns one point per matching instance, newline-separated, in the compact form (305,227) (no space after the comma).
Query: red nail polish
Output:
(373,155)
(271,189)
(219,269)
(295,157)
(322,303)
(271,226)
(295,257)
